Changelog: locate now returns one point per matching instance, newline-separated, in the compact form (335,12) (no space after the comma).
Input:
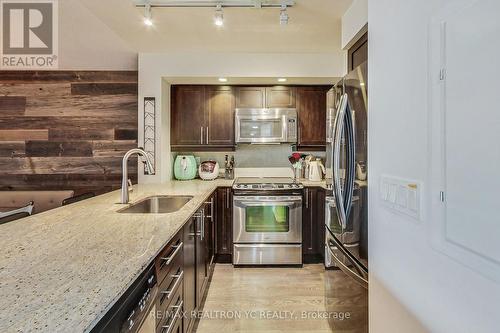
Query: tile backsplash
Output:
(253,156)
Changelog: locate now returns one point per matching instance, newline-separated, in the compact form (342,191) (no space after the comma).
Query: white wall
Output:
(354,23)
(443,294)
(86,43)
(156,69)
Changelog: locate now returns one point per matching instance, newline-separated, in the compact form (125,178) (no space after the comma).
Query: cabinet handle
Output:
(178,280)
(202,231)
(211,203)
(206,142)
(228,194)
(176,315)
(307,198)
(168,260)
(201,135)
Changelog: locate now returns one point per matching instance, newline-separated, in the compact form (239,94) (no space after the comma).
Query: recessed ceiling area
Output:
(314,27)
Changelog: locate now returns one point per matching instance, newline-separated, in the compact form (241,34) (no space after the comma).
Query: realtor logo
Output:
(29,34)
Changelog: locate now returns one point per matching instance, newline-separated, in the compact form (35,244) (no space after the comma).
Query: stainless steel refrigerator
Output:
(346,220)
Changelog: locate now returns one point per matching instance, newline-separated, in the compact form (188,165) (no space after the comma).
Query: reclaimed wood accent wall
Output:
(66,129)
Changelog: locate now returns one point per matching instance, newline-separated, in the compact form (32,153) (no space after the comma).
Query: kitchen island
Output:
(62,270)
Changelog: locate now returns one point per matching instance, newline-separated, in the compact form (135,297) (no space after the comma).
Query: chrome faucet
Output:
(148,166)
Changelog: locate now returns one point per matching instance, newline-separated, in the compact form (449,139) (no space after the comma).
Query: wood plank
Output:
(19,135)
(69,165)
(68,76)
(12,149)
(69,123)
(84,134)
(98,184)
(46,149)
(112,148)
(79,106)
(35,89)
(125,134)
(103,88)
(12,105)
(79,150)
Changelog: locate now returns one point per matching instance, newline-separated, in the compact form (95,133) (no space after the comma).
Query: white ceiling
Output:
(315,26)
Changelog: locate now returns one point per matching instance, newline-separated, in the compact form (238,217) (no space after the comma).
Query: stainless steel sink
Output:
(157,205)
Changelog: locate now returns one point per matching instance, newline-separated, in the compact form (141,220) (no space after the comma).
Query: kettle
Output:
(316,171)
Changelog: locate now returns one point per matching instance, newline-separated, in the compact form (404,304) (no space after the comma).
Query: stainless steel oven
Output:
(267,222)
(267,219)
(266,126)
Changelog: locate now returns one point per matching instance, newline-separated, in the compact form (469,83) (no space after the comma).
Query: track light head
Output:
(148,15)
(283,15)
(219,16)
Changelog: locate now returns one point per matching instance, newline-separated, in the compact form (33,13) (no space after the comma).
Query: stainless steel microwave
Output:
(266,125)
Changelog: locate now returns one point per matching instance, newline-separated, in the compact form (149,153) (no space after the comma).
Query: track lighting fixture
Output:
(148,15)
(218,4)
(219,16)
(283,15)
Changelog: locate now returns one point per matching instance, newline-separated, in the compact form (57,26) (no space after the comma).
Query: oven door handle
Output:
(266,199)
(267,203)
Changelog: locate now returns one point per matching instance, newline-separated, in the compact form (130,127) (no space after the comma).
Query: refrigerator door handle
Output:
(344,124)
(337,184)
(351,158)
(357,275)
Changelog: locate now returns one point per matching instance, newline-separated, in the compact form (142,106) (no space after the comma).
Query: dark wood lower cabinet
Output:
(224,225)
(189,239)
(313,225)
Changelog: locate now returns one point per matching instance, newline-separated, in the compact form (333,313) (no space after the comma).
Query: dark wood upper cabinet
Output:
(311,109)
(202,118)
(187,115)
(280,97)
(220,116)
(358,53)
(250,97)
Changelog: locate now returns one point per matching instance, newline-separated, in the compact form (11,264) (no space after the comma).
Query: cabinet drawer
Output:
(167,257)
(171,319)
(170,285)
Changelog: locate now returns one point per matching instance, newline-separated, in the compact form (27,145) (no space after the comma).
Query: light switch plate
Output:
(402,196)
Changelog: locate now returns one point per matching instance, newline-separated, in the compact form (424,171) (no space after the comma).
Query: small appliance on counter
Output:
(316,170)
(361,171)
(185,167)
(209,170)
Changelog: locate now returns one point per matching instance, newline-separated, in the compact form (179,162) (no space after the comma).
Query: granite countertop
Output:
(61,270)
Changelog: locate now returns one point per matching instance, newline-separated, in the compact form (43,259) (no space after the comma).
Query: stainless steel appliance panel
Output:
(346,216)
(261,126)
(267,219)
(348,300)
(267,254)
(344,258)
